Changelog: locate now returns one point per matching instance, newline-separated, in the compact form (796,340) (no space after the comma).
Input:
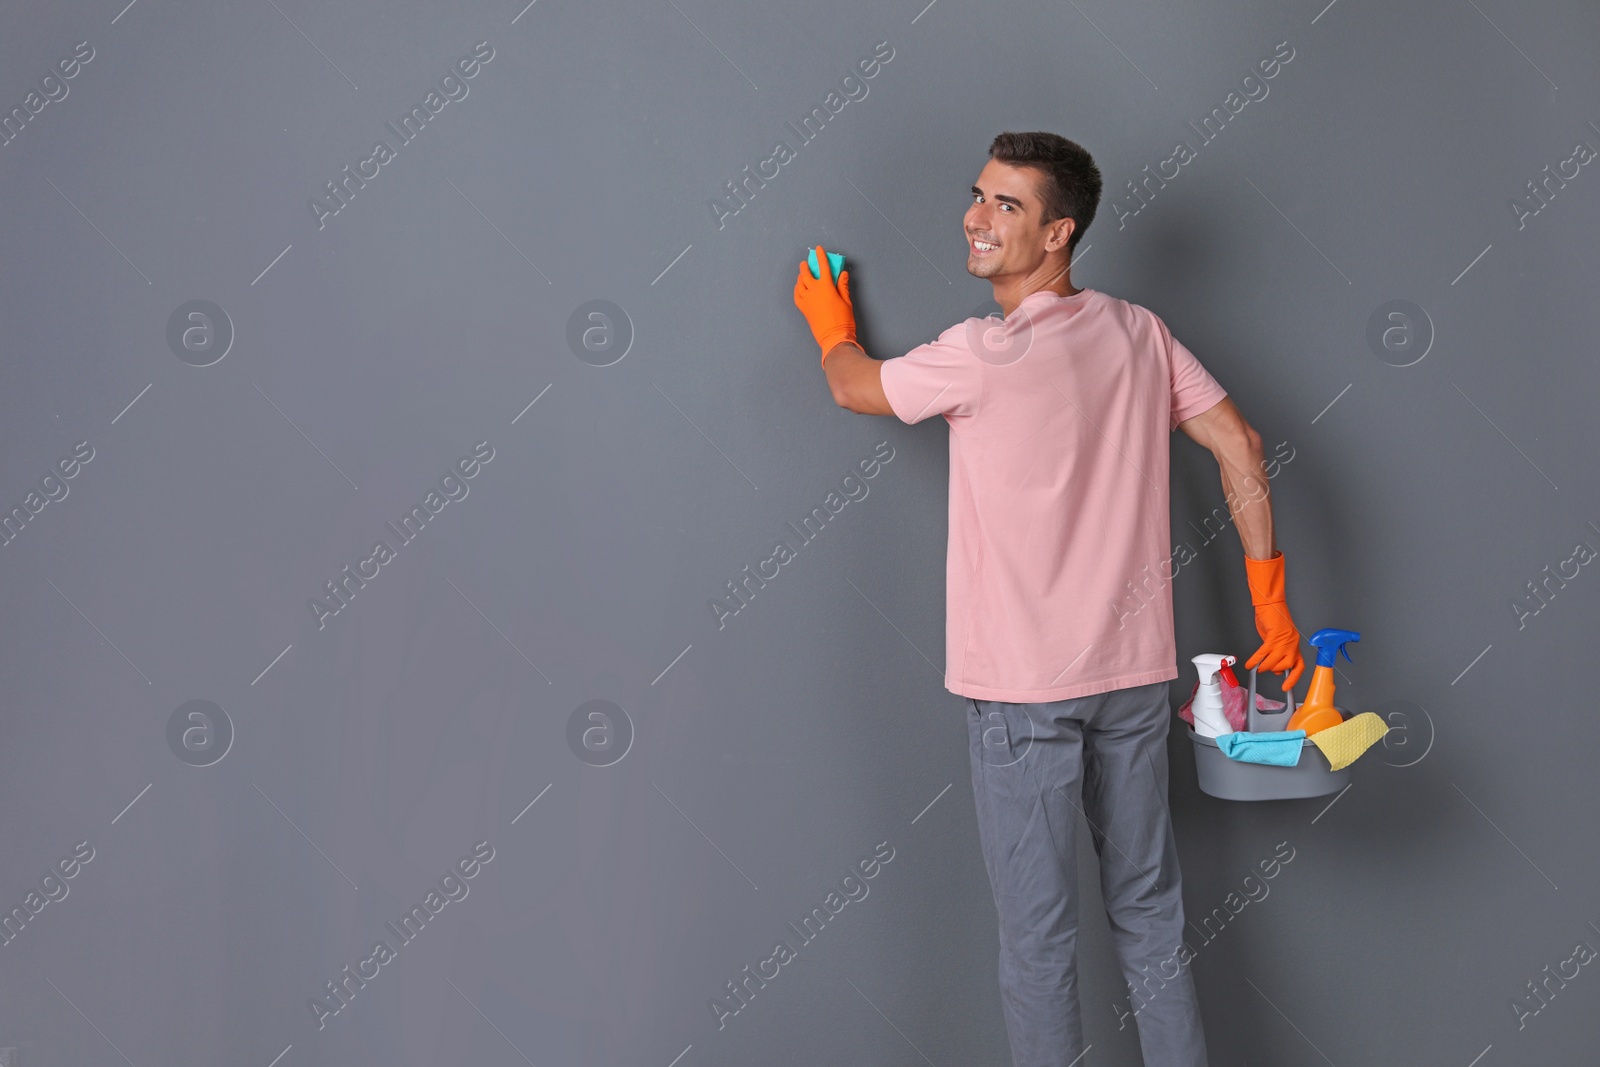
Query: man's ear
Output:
(1060,234)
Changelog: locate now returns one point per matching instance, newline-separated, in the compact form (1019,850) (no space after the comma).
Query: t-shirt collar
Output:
(1052,295)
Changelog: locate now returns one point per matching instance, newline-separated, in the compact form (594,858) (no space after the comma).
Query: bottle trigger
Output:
(1228,676)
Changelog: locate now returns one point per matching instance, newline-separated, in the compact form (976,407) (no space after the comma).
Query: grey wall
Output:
(247,849)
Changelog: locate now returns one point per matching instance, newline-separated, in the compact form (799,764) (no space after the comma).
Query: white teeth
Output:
(984,246)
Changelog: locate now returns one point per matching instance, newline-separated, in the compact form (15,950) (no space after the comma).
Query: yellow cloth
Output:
(1344,743)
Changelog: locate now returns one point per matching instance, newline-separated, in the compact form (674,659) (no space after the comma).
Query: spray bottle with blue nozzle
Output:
(1318,712)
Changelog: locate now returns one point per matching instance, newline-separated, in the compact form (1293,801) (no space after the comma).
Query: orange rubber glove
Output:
(1280,641)
(827,307)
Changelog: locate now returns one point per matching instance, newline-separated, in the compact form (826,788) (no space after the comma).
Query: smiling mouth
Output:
(982,248)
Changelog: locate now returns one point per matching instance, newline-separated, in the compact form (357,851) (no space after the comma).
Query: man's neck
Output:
(1009,294)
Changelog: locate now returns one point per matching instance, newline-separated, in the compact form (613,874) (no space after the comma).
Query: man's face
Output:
(1005,226)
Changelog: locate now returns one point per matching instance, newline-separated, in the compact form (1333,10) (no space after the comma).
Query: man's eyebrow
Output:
(1003,198)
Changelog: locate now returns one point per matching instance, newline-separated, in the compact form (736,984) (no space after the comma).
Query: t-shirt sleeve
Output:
(1194,390)
(943,377)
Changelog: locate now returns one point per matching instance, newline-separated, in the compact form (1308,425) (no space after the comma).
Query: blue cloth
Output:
(1278,748)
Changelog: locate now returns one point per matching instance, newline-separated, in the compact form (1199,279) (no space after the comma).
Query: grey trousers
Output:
(1035,767)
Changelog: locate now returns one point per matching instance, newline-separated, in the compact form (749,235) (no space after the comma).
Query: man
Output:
(1059,604)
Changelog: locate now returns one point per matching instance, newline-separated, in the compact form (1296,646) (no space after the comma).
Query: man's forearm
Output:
(856,379)
(838,366)
(1244,482)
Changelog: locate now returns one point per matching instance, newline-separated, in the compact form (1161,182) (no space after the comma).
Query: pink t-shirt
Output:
(1060,419)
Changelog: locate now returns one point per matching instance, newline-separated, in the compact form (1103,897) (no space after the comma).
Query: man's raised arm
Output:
(854,378)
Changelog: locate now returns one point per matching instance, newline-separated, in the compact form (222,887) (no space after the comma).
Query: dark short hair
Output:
(1071,185)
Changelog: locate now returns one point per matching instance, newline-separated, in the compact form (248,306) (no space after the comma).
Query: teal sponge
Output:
(835,263)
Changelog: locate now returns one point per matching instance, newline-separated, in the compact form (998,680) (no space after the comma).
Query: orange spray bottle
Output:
(1318,712)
